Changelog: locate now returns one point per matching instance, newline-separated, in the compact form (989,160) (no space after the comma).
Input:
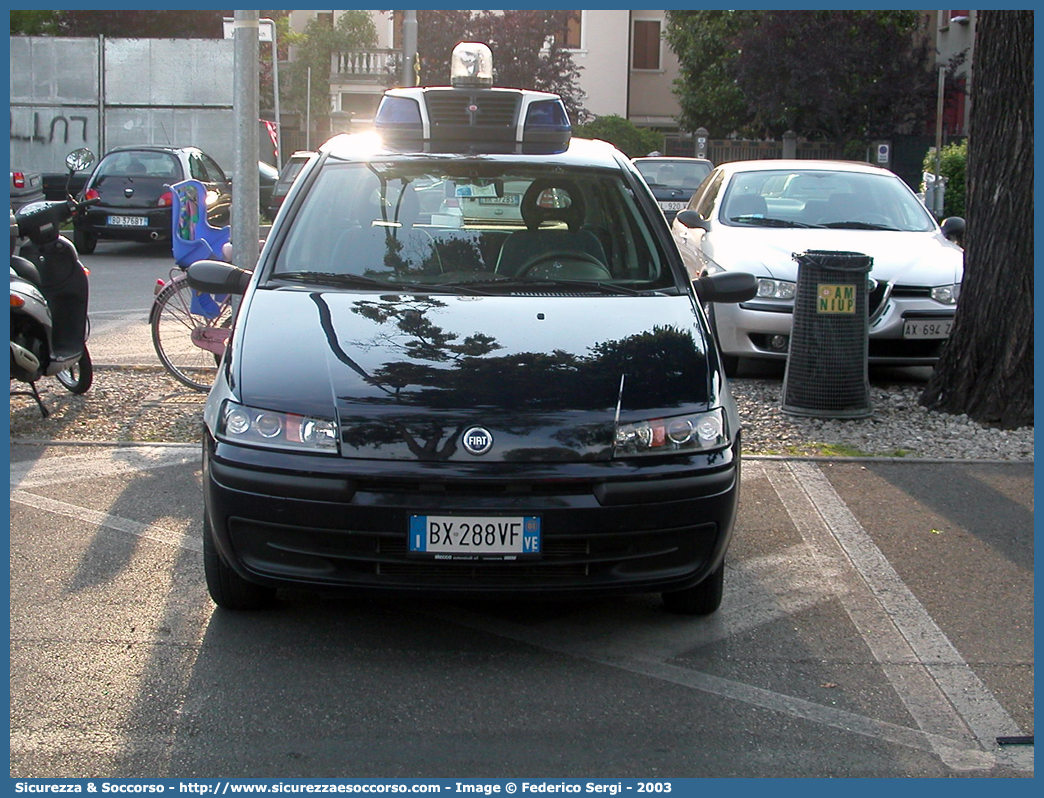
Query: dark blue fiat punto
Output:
(469,362)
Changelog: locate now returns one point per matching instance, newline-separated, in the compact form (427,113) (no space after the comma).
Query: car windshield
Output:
(673,174)
(823,198)
(477,225)
(140,163)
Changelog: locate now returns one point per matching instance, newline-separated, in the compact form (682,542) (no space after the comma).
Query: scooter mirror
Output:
(78,160)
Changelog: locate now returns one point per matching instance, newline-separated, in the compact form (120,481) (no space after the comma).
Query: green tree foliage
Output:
(526,46)
(623,134)
(34,23)
(706,89)
(827,75)
(354,30)
(953,162)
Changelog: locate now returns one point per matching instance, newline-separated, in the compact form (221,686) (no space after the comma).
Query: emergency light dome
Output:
(471,66)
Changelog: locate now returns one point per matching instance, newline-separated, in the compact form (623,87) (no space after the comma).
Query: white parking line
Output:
(940,691)
(116,523)
(73,465)
(957,716)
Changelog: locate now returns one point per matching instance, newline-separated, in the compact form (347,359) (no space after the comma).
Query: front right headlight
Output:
(689,434)
(249,426)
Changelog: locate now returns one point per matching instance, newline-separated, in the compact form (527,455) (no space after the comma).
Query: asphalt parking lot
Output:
(877,622)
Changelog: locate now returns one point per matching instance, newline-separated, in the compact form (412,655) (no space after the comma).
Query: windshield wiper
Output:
(544,283)
(860,226)
(330,278)
(764,221)
(359,280)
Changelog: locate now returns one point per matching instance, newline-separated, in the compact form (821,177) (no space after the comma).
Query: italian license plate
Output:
(128,221)
(444,537)
(925,328)
(673,206)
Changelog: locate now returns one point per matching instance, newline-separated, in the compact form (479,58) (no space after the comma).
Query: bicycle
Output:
(190,329)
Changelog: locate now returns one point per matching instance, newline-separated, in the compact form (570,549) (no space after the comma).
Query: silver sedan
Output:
(753,216)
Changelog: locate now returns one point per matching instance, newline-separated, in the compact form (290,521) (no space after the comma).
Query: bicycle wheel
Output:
(189,344)
(78,377)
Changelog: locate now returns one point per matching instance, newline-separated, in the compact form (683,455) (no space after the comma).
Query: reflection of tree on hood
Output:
(659,361)
(425,340)
(439,370)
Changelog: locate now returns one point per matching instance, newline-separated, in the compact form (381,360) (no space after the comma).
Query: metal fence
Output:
(726,150)
(101,93)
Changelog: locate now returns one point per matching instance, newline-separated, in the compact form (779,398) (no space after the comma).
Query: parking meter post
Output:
(827,373)
(701,142)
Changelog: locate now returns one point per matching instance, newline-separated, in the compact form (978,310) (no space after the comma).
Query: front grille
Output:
(876,299)
(492,109)
(380,558)
(483,488)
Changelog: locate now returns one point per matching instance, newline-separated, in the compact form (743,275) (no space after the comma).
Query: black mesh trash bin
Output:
(826,374)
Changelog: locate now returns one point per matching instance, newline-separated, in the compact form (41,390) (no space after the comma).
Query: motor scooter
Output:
(49,323)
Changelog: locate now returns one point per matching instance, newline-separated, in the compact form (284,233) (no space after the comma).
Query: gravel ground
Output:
(144,404)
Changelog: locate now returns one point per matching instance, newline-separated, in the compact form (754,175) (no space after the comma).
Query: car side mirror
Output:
(217,277)
(726,287)
(691,219)
(953,228)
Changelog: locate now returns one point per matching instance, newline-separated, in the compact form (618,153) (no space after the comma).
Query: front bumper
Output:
(335,523)
(746,330)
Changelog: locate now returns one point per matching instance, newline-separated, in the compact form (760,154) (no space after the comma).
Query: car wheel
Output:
(228,589)
(731,364)
(701,599)
(85,242)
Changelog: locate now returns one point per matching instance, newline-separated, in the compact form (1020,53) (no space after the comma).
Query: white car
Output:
(755,216)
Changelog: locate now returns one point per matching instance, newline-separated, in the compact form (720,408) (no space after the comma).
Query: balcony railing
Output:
(368,66)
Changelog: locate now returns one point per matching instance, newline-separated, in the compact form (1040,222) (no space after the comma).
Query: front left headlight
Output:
(776,289)
(249,426)
(947,294)
(689,434)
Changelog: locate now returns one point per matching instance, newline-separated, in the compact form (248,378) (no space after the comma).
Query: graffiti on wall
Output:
(46,128)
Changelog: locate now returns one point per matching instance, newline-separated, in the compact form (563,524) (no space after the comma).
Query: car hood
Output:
(407,375)
(905,258)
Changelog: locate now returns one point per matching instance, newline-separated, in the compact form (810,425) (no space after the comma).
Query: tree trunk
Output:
(986,369)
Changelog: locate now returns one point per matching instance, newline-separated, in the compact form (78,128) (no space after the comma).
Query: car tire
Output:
(701,599)
(85,242)
(731,364)
(228,589)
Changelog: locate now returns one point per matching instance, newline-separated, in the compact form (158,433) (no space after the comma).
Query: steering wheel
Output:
(572,256)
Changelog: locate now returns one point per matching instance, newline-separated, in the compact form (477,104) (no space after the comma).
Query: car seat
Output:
(386,242)
(553,199)
(746,205)
(193,238)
